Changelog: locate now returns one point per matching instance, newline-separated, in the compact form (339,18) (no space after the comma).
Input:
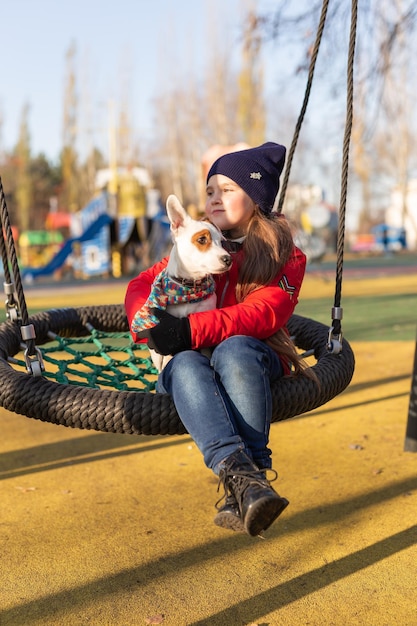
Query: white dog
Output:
(186,284)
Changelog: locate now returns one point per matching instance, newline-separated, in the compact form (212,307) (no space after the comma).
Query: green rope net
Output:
(99,360)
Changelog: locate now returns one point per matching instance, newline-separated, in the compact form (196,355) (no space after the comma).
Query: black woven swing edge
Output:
(144,413)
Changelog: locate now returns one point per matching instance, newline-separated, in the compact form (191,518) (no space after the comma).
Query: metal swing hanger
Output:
(16,309)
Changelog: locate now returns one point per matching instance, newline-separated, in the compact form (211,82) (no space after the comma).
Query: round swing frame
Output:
(145,413)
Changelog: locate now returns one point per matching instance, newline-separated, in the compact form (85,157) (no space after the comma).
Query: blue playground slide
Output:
(29,273)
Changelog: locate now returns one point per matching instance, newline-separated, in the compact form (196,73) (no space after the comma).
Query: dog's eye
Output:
(202,239)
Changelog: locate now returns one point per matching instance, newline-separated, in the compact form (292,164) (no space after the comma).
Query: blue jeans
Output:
(225,402)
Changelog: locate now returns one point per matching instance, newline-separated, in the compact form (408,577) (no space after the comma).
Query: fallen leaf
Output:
(154,619)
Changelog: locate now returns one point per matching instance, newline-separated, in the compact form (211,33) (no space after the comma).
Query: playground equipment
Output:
(66,250)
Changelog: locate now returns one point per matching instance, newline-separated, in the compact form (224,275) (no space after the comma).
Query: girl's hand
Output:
(171,335)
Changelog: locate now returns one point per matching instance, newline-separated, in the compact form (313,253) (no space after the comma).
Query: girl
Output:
(225,402)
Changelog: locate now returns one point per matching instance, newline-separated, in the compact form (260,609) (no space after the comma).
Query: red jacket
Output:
(260,315)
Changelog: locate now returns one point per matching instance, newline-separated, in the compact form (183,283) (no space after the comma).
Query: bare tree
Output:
(395,135)
(362,163)
(224,105)
(383,149)
(70,192)
(251,100)
(23,192)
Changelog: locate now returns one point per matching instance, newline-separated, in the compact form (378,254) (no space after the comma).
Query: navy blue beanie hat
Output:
(256,171)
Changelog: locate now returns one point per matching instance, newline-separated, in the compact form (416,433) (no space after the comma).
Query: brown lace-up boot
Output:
(251,504)
(228,515)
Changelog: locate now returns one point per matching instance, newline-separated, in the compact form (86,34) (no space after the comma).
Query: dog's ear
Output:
(176,213)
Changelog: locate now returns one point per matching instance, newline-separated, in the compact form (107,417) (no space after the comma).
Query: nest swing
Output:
(33,395)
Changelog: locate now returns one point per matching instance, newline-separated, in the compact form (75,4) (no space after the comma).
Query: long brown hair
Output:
(268,247)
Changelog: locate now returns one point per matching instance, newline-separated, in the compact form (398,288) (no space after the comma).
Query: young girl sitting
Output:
(225,401)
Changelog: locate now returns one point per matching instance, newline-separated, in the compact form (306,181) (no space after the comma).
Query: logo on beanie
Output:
(256,175)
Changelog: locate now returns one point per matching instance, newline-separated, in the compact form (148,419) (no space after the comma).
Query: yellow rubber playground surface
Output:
(116,530)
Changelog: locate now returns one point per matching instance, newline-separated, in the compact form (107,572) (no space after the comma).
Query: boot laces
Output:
(241,483)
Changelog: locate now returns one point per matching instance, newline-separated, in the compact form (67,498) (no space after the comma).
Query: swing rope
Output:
(337,310)
(12,306)
(16,308)
(302,113)
(335,332)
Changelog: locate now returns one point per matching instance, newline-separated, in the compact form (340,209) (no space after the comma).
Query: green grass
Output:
(369,318)
(376,317)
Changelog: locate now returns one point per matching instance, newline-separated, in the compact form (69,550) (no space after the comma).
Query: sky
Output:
(117,43)
(129,46)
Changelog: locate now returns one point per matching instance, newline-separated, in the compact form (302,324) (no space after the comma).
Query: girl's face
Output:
(228,206)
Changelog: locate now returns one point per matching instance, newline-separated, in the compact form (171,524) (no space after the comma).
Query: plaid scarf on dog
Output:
(167,291)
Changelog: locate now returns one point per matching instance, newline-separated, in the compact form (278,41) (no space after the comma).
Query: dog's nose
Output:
(227,260)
